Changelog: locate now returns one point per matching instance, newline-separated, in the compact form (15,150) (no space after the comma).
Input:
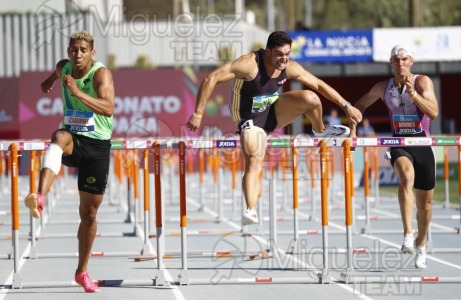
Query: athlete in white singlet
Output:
(412,103)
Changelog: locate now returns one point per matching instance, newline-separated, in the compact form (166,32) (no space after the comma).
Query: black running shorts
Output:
(92,158)
(266,120)
(423,161)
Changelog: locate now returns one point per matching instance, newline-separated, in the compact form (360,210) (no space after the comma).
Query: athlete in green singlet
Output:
(83,141)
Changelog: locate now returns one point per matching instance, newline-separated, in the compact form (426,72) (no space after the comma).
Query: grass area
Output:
(439,193)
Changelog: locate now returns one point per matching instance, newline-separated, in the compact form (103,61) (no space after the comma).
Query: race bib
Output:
(79,121)
(261,103)
(407,124)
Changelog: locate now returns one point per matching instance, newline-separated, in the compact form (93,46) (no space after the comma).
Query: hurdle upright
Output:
(15,216)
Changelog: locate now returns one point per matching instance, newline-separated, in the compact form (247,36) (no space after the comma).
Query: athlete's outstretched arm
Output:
(375,93)
(296,71)
(240,68)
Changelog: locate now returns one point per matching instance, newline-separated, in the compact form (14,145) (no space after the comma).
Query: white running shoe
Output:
(420,261)
(407,245)
(249,217)
(333,130)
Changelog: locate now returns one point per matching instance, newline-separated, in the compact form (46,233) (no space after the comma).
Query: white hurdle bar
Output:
(210,144)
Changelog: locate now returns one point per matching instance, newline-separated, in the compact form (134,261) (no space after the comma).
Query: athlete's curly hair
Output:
(82,35)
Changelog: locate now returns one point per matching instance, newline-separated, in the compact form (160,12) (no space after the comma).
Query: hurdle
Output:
(349,222)
(133,168)
(366,185)
(184,276)
(3,183)
(17,281)
(446,203)
(322,277)
(13,148)
(459,187)
(348,187)
(349,276)
(368,217)
(32,189)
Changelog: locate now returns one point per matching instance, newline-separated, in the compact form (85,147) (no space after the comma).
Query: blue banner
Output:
(339,46)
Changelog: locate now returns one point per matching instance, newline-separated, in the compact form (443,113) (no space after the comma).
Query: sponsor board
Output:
(136,144)
(135,106)
(367,141)
(422,141)
(31,146)
(332,46)
(390,141)
(226,143)
(280,143)
(304,142)
(117,144)
(205,144)
(446,141)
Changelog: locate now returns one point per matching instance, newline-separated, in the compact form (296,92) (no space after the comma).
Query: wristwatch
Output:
(346,106)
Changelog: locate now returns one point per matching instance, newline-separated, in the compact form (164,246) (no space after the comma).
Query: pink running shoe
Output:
(84,280)
(35,203)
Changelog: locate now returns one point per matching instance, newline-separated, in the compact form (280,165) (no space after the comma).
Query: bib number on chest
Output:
(79,121)
(407,124)
(261,103)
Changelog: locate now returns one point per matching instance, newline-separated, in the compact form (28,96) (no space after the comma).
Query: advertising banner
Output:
(148,104)
(9,121)
(427,44)
(332,46)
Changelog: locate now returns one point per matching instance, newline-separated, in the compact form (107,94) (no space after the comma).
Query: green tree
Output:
(326,14)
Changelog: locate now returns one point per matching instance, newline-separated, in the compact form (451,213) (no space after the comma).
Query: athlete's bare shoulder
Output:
(246,66)
(294,69)
(60,65)
(380,87)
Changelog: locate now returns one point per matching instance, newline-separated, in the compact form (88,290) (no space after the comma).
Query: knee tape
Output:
(52,158)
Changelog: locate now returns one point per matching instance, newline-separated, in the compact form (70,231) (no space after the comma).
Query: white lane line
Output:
(373,237)
(390,214)
(177,293)
(263,241)
(175,289)
(9,281)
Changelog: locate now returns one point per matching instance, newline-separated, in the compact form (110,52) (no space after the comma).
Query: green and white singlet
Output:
(78,118)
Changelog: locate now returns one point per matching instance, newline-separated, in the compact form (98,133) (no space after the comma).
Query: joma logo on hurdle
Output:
(226,144)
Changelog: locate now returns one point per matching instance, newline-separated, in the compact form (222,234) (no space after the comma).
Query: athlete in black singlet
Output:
(258,108)
(253,99)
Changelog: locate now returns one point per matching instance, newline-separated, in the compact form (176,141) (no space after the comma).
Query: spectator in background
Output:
(299,26)
(365,129)
(333,118)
